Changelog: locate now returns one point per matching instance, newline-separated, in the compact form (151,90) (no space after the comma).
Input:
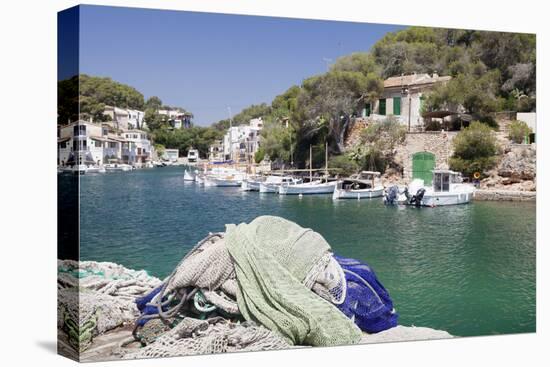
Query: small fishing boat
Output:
(223,181)
(117,167)
(222,177)
(308,188)
(252,183)
(447,188)
(358,187)
(273,183)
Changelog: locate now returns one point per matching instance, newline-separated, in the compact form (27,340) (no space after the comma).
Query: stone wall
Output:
(436,142)
(504,195)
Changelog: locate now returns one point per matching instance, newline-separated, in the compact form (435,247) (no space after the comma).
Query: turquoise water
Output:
(467,269)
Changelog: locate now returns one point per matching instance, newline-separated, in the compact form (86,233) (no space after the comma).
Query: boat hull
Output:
(250,185)
(441,199)
(358,194)
(305,189)
(269,188)
(220,182)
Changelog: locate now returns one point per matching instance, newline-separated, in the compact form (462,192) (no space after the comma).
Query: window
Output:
(397,106)
(63,145)
(382,106)
(79,130)
(79,144)
(367,110)
(97,143)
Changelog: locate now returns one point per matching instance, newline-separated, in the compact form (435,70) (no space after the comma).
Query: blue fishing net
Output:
(367,302)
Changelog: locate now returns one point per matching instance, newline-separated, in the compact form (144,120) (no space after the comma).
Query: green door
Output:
(423,164)
(367,109)
(382,106)
(397,106)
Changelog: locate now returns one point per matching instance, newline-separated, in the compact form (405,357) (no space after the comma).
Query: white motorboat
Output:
(358,187)
(308,188)
(272,183)
(447,188)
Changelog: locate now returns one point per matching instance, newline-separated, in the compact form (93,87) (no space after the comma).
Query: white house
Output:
(241,142)
(403,98)
(81,141)
(124,119)
(136,148)
(171,155)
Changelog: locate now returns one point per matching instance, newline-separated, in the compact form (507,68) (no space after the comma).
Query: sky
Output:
(211,64)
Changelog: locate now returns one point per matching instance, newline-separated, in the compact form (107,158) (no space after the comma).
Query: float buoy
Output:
(477,175)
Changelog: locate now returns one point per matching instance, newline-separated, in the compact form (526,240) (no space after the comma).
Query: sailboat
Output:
(320,186)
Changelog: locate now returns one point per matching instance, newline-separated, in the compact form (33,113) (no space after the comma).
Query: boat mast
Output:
(326,159)
(310,163)
(230,135)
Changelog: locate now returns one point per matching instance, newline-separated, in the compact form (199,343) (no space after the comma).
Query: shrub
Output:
(259,155)
(518,131)
(475,149)
(345,164)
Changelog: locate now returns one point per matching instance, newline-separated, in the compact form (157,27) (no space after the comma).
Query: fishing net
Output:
(97,297)
(273,258)
(193,336)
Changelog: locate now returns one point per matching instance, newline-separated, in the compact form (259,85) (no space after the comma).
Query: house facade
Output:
(136,148)
(215,152)
(125,119)
(241,142)
(96,144)
(403,98)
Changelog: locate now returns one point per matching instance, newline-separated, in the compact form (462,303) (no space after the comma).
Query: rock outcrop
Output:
(516,170)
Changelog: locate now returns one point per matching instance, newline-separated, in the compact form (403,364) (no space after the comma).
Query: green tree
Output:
(475,149)
(153,103)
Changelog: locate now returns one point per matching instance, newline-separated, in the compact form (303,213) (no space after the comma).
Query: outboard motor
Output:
(416,199)
(391,195)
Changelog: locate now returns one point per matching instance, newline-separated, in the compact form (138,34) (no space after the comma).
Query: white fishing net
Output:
(192,336)
(94,298)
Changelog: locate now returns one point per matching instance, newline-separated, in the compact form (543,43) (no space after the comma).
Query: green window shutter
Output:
(397,106)
(382,106)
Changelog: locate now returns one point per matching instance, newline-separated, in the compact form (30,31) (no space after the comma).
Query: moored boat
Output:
(447,188)
(360,186)
(273,183)
(308,188)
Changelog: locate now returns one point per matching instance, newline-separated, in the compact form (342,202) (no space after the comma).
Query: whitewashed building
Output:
(80,141)
(403,98)
(125,119)
(85,141)
(171,155)
(137,148)
(241,142)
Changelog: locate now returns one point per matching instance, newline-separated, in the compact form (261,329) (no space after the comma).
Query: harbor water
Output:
(468,269)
